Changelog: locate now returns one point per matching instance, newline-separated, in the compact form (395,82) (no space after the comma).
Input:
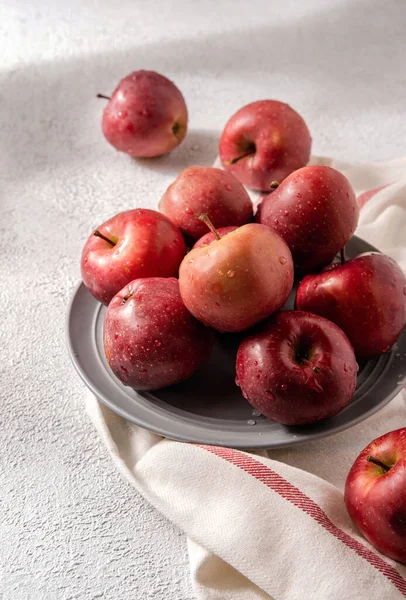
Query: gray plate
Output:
(208,408)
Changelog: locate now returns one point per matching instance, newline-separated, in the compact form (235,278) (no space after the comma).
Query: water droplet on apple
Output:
(217,305)
(282,260)
(269,395)
(404,290)
(124,370)
(298,195)
(256,413)
(116,336)
(143,370)
(345,368)
(188,211)
(276,222)
(284,387)
(228,187)
(237,381)
(256,363)
(230,274)
(158,343)
(315,285)
(122,114)
(286,213)
(251,422)
(205,305)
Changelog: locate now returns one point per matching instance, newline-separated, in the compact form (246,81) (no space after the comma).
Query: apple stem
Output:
(175,129)
(378,462)
(342,255)
(97,233)
(274,185)
(203,217)
(128,295)
(103,96)
(235,160)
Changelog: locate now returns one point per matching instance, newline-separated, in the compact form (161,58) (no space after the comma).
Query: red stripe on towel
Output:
(291,493)
(365,196)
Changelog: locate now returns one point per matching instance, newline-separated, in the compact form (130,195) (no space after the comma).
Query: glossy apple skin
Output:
(238,280)
(145,116)
(366,297)
(150,338)
(279,135)
(375,499)
(206,190)
(147,245)
(293,390)
(315,211)
(209,237)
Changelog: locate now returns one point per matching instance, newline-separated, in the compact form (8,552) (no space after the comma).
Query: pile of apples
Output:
(206,263)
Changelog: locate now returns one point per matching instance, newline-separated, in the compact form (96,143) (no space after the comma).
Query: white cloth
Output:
(274,525)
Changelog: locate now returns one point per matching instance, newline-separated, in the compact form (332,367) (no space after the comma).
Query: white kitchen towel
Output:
(274,525)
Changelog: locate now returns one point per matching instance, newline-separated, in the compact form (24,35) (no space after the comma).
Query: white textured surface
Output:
(69,526)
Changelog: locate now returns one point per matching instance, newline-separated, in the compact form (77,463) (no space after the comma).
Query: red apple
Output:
(146,115)
(298,369)
(365,296)
(133,244)
(209,237)
(315,211)
(263,142)
(238,279)
(150,339)
(206,190)
(375,494)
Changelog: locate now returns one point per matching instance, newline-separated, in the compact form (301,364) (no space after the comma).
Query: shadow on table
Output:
(198,148)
